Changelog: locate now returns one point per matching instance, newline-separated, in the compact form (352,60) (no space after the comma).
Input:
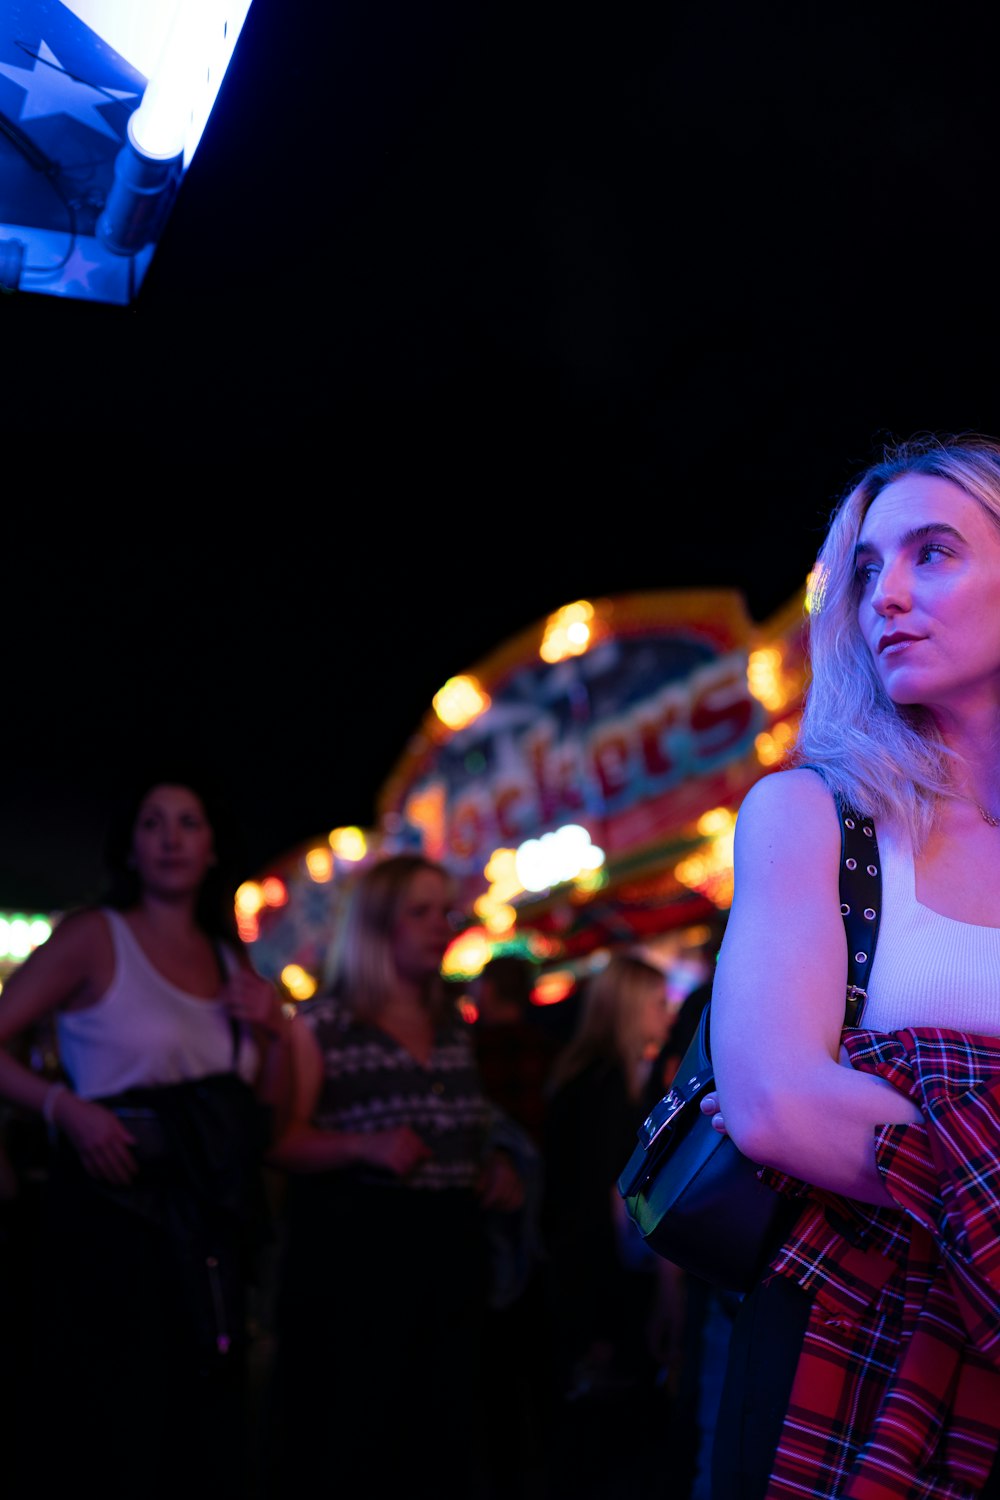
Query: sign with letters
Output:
(633,739)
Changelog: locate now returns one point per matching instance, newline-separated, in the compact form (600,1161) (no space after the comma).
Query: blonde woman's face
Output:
(928,563)
(423,930)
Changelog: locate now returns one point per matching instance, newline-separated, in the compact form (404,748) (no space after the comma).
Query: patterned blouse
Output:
(896,1394)
(371,1082)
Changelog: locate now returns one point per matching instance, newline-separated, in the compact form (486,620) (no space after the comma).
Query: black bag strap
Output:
(860,898)
(235,1030)
(860,903)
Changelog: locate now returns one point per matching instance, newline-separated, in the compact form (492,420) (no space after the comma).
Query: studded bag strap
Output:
(860,904)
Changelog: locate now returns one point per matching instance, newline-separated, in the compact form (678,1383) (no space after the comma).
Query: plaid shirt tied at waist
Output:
(896,1394)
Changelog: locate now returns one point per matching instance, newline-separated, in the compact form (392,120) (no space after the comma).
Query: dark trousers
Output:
(376,1375)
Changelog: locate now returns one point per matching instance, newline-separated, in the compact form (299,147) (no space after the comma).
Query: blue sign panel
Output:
(102,106)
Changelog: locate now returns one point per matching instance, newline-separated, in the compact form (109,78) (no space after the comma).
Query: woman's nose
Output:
(891,593)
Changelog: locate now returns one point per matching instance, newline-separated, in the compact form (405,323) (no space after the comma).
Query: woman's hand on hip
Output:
(398,1151)
(101,1141)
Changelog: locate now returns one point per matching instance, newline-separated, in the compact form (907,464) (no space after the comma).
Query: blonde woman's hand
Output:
(398,1151)
(710,1106)
(500,1184)
(102,1142)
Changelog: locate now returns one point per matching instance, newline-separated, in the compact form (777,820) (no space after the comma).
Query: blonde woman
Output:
(865,1363)
(389,1171)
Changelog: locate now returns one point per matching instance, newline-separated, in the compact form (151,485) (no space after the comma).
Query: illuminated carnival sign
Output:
(658,708)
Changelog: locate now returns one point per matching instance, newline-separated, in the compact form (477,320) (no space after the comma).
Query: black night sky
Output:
(464,312)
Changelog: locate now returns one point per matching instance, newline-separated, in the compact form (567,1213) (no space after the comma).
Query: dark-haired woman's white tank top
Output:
(145,1030)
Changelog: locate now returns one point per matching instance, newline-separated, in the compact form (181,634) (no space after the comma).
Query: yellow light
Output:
(426,810)
(772,747)
(248,926)
(299,984)
(319,863)
(467,954)
(460,701)
(710,871)
(568,632)
(348,843)
(501,872)
(500,919)
(249,899)
(553,987)
(274,891)
(815,589)
(718,820)
(765,678)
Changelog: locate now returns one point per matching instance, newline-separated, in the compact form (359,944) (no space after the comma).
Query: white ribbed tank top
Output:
(145,1030)
(928,970)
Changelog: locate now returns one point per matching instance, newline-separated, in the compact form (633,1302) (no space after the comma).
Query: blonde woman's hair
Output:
(611,1022)
(888,761)
(363,972)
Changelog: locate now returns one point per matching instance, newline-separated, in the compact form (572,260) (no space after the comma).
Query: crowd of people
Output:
(358,1184)
(418,1216)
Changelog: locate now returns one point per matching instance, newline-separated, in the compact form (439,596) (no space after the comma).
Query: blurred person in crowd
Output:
(515,1054)
(171,1057)
(392,1170)
(611,1300)
(704,1313)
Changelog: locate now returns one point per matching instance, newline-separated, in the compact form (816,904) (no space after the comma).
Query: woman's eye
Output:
(933,550)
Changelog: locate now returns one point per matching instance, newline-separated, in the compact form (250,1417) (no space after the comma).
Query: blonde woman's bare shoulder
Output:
(788,810)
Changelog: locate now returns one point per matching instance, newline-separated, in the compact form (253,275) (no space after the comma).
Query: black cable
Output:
(51,171)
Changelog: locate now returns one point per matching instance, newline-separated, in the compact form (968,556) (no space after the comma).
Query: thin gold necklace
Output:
(988,816)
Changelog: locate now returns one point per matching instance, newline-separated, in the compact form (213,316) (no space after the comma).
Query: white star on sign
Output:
(49,90)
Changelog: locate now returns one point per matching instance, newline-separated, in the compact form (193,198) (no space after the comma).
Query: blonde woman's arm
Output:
(778,999)
(305,1147)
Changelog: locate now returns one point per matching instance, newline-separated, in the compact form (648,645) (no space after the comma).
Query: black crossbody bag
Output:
(695,1199)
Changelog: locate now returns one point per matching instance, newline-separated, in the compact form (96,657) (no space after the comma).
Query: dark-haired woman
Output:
(168,1043)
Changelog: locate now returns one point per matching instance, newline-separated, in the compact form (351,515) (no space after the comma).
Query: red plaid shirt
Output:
(896,1394)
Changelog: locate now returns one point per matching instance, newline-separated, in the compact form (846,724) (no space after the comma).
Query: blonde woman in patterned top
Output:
(389,1170)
